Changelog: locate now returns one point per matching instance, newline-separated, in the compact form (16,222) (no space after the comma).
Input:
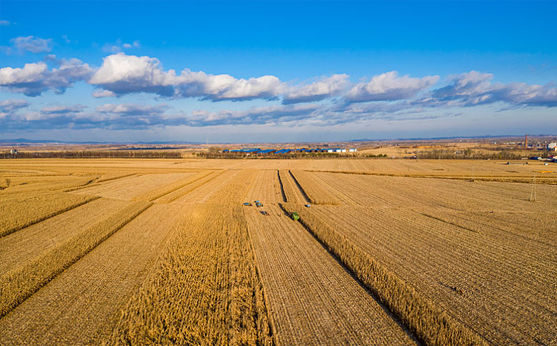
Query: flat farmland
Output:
(385,252)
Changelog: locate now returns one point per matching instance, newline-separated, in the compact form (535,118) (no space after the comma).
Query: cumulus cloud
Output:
(132,109)
(10,107)
(475,88)
(58,110)
(13,105)
(103,93)
(30,44)
(124,74)
(35,78)
(325,88)
(389,87)
(256,115)
(468,88)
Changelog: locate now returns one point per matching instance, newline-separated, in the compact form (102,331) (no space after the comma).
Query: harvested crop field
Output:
(208,252)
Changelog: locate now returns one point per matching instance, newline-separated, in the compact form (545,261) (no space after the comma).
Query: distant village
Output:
(258,151)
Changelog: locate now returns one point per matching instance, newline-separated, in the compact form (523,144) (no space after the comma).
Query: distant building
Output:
(552,146)
(352,150)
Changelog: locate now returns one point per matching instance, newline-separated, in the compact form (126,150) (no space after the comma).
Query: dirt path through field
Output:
(313,300)
(82,304)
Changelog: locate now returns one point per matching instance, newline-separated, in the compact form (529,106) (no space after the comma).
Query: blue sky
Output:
(276,71)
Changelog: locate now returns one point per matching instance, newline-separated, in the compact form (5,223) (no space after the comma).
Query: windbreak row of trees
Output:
(77,154)
(468,155)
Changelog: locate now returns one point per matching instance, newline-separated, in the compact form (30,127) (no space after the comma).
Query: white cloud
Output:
(124,74)
(103,93)
(256,115)
(31,44)
(465,85)
(119,46)
(389,87)
(35,78)
(475,88)
(132,109)
(9,107)
(135,44)
(319,90)
(4,23)
(13,105)
(61,110)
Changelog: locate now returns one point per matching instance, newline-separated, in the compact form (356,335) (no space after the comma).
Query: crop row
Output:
(193,185)
(477,276)
(21,282)
(313,188)
(160,192)
(204,289)
(289,187)
(426,320)
(18,211)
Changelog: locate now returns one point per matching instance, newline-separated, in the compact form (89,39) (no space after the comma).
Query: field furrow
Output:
(21,247)
(164,252)
(82,305)
(132,187)
(265,188)
(18,211)
(207,188)
(22,281)
(183,191)
(313,188)
(170,188)
(441,260)
(313,300)
(290,188)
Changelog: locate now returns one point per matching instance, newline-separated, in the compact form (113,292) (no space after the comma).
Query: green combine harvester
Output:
(295,216)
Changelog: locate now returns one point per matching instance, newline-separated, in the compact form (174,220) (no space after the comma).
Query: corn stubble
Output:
(205,289)
(20,283)
(429,323)
(20,210)
(313,189)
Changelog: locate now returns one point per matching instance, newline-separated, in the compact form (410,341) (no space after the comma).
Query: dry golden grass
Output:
(21,282)
(20,210)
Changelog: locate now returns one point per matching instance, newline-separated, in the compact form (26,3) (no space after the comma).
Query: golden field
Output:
(389,252)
